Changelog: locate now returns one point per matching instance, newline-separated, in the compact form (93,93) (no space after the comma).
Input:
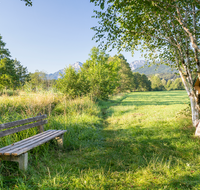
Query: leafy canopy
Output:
(164,28)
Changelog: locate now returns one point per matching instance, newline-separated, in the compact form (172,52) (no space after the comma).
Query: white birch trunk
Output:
(193,102)
(195,111)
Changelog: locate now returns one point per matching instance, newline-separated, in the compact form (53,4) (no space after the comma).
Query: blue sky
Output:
(51,34)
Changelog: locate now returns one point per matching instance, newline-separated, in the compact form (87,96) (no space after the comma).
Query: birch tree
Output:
(167,30)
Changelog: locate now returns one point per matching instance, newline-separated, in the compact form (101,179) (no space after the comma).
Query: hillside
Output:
(136,64)
(154,70)
(55,75)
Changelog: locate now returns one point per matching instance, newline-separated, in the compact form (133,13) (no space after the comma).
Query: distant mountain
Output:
(56,75)
(136,64)
(77,66)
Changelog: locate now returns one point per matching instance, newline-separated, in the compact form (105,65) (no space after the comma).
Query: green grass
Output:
(141,140)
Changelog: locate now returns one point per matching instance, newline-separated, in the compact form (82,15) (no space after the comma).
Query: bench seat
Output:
(25,145)
(18,151)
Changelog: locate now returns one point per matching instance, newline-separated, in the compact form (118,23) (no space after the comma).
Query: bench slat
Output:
(21,151)
(22,142)
(21,128)
(21,122)
(14,148)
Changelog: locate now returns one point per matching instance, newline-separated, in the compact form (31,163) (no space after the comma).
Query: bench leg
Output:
(23,161)
(60,141)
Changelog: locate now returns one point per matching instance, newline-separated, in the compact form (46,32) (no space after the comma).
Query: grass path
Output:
(144,143)
(146,146)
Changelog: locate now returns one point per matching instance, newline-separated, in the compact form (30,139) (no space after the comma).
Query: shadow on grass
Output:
(123,150)
(149,103)
(112,112)
(188,181)
(155,98)
(126,149)
(89,147)
(134,150)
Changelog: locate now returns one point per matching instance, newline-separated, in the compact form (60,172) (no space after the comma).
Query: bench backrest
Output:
(33,122)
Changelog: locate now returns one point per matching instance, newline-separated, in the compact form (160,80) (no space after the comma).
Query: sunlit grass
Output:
(139,140)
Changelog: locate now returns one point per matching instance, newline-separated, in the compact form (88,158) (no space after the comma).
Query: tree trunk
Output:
(195,111)
(193,100)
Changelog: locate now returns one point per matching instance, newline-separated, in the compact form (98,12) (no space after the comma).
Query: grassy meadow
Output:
(140,140)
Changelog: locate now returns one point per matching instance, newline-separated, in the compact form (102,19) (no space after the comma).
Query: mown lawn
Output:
(141,140)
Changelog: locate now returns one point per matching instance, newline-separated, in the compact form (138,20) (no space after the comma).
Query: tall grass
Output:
(29,104)
(78,116)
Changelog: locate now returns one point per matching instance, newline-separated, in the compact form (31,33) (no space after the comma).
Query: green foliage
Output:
(150,25)
(125,75)
(69,83)
(177,85)
(145,83)
(3,51)
(8,92)
(164,82)
(101,73)
(6,73)
(12,74)
(157,84)
(98,77)
(38,81)
(102,76)
(21,75)
(168,85)
(141,82)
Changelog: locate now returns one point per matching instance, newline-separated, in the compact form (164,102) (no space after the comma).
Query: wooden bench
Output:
(17,152)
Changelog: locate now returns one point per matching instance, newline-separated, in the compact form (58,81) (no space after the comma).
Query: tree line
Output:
(102,76)
(12,74)
(158,84)
(74,83)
